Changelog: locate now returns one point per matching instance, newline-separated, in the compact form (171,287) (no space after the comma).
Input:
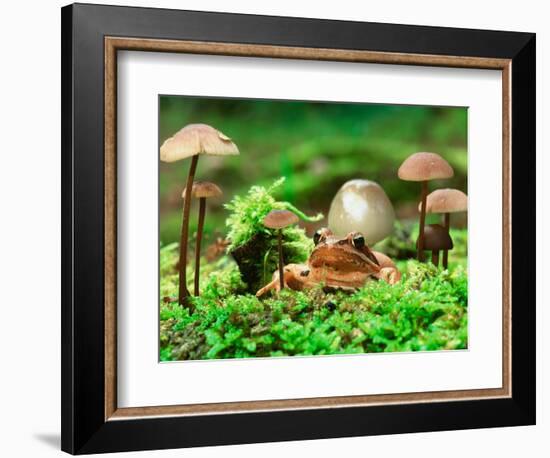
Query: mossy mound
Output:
(254,246)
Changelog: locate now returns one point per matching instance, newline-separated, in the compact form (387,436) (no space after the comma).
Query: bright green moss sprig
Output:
(253,245)
(248,212)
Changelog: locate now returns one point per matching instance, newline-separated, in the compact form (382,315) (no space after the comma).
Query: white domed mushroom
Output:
(363,206)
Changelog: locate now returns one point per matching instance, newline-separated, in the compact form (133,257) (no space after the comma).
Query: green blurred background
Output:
(316,146)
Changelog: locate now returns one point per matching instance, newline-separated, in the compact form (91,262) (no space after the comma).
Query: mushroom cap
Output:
(277,219)
(436,238)
(196,139)
(424,167)
(446,201)
(362,206)
(204,189)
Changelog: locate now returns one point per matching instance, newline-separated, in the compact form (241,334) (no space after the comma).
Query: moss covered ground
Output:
(427,310)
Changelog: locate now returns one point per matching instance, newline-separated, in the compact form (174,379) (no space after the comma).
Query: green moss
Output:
(249,211)
(427,310)
(254,246)
(401,243)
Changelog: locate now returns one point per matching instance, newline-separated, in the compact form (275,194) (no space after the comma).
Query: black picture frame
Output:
(84,427)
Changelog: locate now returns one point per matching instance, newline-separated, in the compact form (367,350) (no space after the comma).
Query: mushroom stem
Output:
(435,257)
(183,291)
(423,196)
(202,211)
(446,225)
(281,279)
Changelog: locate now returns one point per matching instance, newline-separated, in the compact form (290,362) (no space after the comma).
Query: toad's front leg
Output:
(295,277)
(388,270)
(389,274)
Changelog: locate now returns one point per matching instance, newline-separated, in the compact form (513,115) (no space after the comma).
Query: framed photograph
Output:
(281,228)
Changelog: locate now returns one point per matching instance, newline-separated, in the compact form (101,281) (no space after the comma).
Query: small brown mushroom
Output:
(279,219)
(436,238)
(446,201)
(424,167)
(201,190)
(192,140)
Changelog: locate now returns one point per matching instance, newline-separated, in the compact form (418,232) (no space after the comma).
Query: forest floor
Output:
(426,310)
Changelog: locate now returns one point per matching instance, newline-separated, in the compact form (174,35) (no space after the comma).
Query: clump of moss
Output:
(401,244)
(427,310)
(180,335)
(254,246)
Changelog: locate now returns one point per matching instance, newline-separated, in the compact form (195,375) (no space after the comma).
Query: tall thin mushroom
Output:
(191,141)
(424,167)
(201,190)
(436,238)
(279,219)
(446,201)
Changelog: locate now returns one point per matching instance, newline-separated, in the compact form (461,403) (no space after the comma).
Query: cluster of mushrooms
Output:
(424,167)
(200,139)
(192,141)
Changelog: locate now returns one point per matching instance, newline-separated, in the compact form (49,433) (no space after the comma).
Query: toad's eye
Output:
(358,241)
(317,237)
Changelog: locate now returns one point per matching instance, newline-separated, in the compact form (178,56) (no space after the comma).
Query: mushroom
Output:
(192,140)
(436,238)
(361,206)
(201,190)
(446,201)
(279,219)
(424,167)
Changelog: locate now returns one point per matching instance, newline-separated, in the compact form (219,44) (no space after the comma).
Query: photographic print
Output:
(304,228)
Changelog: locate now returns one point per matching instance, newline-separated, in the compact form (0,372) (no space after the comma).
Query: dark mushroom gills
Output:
(436,238)
(446,201)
